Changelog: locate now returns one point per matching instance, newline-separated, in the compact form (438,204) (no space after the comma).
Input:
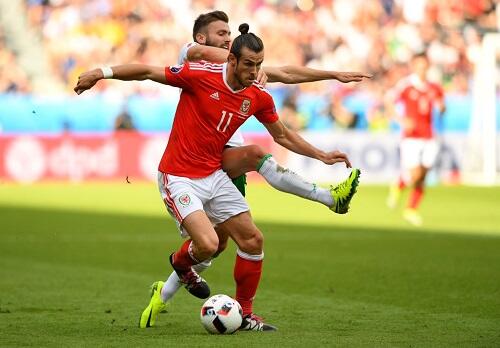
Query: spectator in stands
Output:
(12,78)
(124,120)
(340,115)
(289,113)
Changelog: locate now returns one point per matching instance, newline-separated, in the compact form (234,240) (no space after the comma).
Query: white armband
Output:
(107,72)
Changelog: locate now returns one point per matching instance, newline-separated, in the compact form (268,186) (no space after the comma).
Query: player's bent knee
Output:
(207,248)
(253,244)
(255,154)
(255,151)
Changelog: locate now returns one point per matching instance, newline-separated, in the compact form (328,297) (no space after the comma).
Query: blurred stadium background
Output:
(72,228)
(45,45)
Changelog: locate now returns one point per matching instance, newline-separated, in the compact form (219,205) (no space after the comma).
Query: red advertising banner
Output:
(72,157)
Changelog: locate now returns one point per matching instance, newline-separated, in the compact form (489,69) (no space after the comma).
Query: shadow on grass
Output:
(29,219)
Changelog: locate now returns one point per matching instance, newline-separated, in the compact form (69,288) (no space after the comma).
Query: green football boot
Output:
(155,306)
(343,192)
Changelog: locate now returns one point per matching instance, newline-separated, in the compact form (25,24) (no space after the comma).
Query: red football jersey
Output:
(208,113)
(419,99)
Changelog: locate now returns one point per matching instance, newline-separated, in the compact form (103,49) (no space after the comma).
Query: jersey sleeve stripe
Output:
(207,65)
(206,69)
(215,65)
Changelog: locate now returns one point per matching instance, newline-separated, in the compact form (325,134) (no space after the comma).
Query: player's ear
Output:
(201,38)
(231,58)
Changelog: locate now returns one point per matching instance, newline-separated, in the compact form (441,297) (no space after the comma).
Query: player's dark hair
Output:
(246,39)
(205,19)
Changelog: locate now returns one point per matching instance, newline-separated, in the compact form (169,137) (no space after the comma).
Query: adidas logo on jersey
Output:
(215,95)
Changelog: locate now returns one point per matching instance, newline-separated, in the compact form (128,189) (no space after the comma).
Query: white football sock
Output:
(285,180)
(200,267)
(172,284)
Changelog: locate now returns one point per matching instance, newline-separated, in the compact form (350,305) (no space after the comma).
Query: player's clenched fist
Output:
(335,157)
(87,80)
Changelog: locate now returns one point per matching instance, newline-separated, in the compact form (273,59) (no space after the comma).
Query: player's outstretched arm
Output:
(295,143)
(286,74)
(291,74)
(127,72)
(208,53)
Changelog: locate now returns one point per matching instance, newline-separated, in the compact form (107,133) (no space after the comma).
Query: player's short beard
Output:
(243,84)
(210,43)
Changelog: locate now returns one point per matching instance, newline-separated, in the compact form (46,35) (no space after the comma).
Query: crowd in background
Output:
(13,79)
(374,36)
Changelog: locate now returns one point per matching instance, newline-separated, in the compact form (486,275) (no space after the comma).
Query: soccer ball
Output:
(221,314)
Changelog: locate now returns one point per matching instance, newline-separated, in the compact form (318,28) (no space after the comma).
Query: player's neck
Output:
(418,81)
(231,80)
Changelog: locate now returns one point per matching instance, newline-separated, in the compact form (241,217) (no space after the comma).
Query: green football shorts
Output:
(240,182)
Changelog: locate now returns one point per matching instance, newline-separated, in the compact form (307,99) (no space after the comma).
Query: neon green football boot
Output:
(393,197)
(343,192)
(155,306)
(413,217)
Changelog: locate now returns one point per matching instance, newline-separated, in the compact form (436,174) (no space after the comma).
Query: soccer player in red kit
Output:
(419,147)
(215,100)
(211,35)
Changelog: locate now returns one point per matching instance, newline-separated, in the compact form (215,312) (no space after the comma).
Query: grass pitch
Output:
(76,262)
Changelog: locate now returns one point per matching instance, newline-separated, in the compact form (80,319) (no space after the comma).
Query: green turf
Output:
(76,262)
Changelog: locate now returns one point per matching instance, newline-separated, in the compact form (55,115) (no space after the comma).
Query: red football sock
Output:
(415,197)
(247,276)
(182,258)
(401,184)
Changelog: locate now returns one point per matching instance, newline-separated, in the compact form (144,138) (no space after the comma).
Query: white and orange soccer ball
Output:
(221,314)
